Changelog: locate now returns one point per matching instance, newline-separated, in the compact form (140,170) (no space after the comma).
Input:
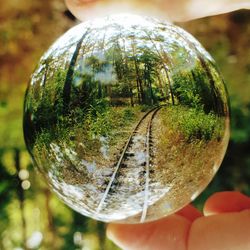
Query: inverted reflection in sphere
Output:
(127,118)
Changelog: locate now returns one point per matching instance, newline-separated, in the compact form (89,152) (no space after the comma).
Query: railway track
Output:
(131,174)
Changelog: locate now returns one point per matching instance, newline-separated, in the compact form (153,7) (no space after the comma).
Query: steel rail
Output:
(121,159)
(149,132)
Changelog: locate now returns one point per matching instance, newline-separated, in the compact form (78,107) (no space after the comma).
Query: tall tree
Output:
(217,104)
(164,61)
(69,76)
(141,95)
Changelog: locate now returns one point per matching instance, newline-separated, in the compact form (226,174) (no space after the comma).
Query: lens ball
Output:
(127,118)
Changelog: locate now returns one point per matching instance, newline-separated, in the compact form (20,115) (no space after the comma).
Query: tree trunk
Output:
(161,85)
(99,90)
(69,76)
(138,79)
(218,106)
(131,97)
(169,85)
(165,69)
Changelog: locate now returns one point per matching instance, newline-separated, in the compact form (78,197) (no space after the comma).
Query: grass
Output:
(194,124)
(84,132)
(187,154)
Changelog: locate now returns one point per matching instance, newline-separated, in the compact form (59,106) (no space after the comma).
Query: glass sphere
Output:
(127,118)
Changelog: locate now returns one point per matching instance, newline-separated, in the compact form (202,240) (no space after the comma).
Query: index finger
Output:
(178,10)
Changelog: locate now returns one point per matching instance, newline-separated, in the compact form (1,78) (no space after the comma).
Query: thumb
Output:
(168,233)
(171,232)
(177,10)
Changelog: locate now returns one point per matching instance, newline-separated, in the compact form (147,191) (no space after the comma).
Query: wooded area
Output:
(31,216)
(88,92)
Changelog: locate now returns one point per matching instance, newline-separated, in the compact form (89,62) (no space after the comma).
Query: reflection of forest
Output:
(84,168)
(89,92)
(185,162)
(108,71)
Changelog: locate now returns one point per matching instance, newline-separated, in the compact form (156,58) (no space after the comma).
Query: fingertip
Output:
(224,202)
(222,231)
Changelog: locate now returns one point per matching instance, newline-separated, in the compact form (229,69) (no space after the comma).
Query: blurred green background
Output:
(31,217)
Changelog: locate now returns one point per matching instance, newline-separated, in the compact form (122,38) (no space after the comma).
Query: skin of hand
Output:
(224,225)
(225,222)
(173,10)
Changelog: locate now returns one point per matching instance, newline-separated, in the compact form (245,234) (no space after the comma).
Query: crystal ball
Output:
(127,118)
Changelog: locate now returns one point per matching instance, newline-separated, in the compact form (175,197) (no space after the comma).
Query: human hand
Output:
(224,225)
(173,10)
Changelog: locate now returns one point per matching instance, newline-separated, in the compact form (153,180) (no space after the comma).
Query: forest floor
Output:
(181,165)
(186,166)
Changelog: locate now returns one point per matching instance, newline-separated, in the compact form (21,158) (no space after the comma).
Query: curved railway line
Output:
(134,162)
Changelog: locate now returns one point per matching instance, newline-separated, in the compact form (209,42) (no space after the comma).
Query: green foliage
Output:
(103,121)
(11,116)
(145,108)
(195,124)
(194,89)
(47,107)
(128,114)
(7,187)
(187,91)
(98,120)
(98,125)
(240,120)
